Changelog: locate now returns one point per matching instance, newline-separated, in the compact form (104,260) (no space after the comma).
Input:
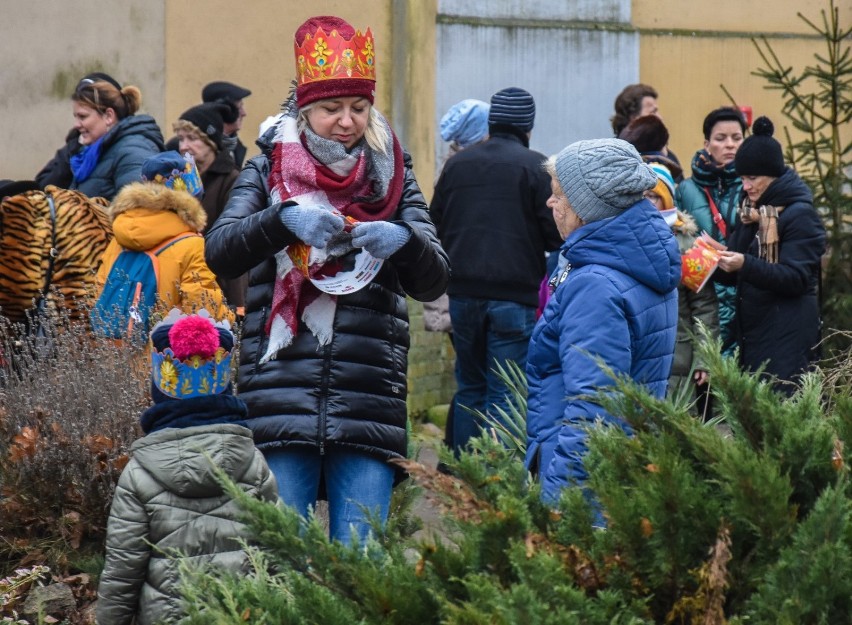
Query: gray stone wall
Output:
(48,46)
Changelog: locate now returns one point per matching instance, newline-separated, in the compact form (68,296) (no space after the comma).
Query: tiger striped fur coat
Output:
(57,247)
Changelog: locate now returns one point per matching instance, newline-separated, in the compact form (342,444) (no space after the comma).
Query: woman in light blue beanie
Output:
(614,300)
(465,123)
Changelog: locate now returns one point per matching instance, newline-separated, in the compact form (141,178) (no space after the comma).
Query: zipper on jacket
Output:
(395,357)
(559,277)
(323,403)
(263,340)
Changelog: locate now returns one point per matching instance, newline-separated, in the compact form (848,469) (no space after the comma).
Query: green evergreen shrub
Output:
(744,524)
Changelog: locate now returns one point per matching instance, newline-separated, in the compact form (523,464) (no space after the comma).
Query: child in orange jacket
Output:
(150,214)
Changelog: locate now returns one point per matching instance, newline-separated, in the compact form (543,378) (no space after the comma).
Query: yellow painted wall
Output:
(251,44)
(768,16)
(688,49)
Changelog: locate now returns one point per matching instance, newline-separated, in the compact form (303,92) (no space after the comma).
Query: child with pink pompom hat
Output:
(169,499)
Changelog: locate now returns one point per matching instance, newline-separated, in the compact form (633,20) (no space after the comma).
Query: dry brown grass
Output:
(69,410)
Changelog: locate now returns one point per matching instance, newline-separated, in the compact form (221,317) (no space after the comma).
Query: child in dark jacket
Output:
(169,506)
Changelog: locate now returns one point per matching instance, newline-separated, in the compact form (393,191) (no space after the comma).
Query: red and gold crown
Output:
(329,64)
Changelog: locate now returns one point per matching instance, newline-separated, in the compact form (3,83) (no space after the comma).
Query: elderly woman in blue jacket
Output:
(614,299)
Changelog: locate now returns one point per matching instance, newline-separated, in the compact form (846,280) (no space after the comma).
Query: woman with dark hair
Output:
(324,374)
(634,101)
(649,135)
(711,195)
(774,257)
(115,140)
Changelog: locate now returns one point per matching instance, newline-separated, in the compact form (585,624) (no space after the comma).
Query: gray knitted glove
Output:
(380,238)
(314,224)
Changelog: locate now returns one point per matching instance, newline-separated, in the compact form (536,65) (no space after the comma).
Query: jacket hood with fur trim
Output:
(686,224)
(157,197)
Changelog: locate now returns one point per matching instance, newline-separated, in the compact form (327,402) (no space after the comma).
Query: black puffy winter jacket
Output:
(352,392)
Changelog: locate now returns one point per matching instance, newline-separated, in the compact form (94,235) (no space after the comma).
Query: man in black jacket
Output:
(489,208)
(232,95)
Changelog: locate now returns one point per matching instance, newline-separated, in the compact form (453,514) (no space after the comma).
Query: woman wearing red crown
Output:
(323,370)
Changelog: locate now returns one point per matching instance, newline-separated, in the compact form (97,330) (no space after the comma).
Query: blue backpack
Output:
(124,306)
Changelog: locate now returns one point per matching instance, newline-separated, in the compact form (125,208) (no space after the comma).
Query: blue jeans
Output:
(485,333)
(357,486)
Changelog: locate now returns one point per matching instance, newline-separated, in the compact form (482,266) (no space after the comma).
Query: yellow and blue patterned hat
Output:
(174,171)
(190,356)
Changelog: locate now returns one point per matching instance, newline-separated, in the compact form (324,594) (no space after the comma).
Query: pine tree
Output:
(818,104)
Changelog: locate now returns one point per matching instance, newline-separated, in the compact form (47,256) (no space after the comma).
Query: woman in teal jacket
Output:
(712,194)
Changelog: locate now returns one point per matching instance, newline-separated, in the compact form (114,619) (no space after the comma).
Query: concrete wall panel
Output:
(48,46)
(551,10)
(573,74)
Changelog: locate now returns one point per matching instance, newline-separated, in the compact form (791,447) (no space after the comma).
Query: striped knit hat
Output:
(514,107)
(665,185)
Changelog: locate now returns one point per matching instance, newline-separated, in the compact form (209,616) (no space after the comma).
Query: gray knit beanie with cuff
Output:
(602,177)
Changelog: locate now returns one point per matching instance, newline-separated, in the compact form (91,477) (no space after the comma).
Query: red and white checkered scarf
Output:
(299,176)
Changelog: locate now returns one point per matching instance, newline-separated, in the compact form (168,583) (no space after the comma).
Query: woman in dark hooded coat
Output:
(774,258)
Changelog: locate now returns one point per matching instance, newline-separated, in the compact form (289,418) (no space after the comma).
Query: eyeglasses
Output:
(653,198)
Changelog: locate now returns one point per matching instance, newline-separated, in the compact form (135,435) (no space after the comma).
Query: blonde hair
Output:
(188,126)
(102,95)
(376,133)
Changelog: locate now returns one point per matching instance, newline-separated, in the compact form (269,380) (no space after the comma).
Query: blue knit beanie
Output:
(514,107)
(466,122)
(602,177)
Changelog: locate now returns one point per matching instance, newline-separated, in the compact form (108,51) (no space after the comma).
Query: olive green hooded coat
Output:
(168,501)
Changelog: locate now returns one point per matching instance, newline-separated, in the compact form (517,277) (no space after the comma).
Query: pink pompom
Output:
(193,336)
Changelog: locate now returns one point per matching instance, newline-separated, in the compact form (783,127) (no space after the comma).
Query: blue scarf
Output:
(83,163)
(185,413)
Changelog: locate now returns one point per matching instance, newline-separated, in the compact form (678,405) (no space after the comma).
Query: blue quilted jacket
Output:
(616,299)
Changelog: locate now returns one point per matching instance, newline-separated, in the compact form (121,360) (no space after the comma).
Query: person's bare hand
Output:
(700,377)
(731,261)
